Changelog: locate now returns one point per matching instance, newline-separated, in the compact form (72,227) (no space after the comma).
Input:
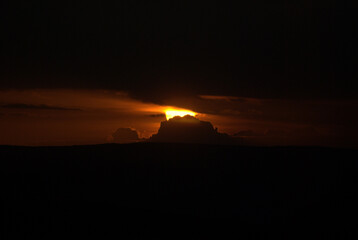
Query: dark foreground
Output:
(144,191)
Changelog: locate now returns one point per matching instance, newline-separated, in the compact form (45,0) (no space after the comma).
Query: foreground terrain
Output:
(178,190)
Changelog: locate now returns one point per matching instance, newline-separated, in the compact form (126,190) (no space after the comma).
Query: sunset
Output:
(114,114)
(170,113)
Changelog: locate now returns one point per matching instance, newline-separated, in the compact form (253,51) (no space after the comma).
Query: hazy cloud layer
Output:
(48,116)
(160,115)
(37,107)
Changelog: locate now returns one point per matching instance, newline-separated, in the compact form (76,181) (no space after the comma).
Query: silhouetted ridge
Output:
(189,129)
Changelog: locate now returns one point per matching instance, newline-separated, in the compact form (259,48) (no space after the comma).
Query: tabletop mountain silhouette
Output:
(189,129)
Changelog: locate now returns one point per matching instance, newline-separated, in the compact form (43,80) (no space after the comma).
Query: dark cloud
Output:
(125,135)
(160,115)
(316,112)
(22,115)
(37,107)
(222,98)
(189,129)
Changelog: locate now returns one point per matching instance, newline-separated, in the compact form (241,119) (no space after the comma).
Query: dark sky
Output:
(159,49)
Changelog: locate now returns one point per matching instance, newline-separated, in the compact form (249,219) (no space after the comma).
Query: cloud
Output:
(189,129)
(104,110)
(222,98)
(125,135)
(157,115)
(37,107)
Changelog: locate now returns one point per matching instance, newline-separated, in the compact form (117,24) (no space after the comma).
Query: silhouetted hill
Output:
(152,190)
(189,129)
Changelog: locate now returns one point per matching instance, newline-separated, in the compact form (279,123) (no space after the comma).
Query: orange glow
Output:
(171,112)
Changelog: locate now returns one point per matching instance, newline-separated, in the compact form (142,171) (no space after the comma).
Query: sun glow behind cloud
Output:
(38,117)
(172,112)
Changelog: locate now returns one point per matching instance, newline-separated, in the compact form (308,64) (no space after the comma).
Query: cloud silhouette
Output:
(189,129)
(157,115)
(125,135)
(39,107)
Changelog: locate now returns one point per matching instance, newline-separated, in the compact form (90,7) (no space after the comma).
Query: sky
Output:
(74,72)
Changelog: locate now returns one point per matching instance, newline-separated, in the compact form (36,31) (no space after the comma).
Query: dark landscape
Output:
(169,190)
